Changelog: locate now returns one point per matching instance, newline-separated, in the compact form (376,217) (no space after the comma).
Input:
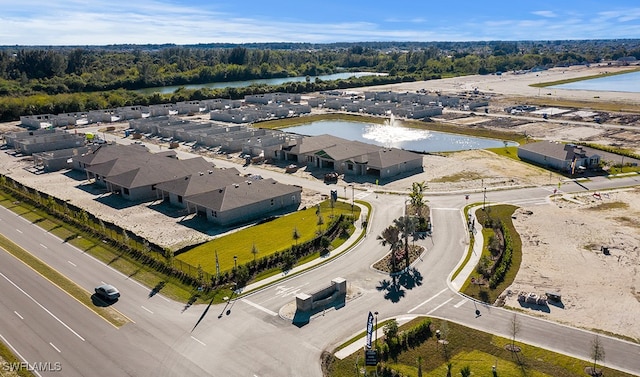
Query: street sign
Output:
(370,358)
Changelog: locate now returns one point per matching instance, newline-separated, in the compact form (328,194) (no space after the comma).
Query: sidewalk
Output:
(457,283)
(348,244)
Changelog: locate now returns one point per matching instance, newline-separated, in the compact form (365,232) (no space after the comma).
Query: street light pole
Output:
(352,199)
(484,198)
(235,262)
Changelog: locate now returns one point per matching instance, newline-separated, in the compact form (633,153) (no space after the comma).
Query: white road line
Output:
(146,309)
(460,303)
(259,307)
(439,306)
(198,340)
(43,246)
(429,299)
(18,230)
(5,341)
(71,263)
(18,314)
(42,307)
(54,347)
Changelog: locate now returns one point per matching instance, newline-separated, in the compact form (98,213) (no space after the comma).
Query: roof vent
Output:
(236,185)
(201,173)
(210,171)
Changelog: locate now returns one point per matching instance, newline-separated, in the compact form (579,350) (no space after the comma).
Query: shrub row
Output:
(505,261)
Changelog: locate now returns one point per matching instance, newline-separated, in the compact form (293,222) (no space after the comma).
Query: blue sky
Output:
(98,22)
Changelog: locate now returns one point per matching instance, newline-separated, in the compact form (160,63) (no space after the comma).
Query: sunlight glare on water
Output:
(392,132)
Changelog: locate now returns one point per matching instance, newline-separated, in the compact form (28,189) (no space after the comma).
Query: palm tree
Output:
(417,196)
(406,226)
(391,236)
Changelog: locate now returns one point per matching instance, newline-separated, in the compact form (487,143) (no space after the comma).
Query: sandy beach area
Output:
(562,240)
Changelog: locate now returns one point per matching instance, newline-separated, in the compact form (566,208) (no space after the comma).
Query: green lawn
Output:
(268,238)
(476,349)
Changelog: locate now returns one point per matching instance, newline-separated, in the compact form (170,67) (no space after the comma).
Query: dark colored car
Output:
(107,292)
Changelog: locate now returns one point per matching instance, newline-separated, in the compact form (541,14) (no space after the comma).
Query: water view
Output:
(393,134)
(628,82)
(241,84)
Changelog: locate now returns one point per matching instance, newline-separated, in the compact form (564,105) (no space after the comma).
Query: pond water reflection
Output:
(393,134)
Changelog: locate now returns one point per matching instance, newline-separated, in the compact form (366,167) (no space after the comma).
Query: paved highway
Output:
(248,336)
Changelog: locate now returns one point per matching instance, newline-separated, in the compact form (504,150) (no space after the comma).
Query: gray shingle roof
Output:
(209,180)
(242,194)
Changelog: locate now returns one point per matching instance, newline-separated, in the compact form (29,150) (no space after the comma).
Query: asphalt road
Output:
(247,336)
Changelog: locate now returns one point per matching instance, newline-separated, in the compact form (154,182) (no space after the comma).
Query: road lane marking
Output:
(198,340)
(146,309)
(460,303)
(429,299)
(259,307)
(18,230)
(54,347)
(71,263)
(42,307)
(439,306)
(18,314)
(5,341)
(43,246)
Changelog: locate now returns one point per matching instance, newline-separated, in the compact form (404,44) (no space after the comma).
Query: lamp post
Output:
(376,341)
(235,262)
(352,199)
(484,198)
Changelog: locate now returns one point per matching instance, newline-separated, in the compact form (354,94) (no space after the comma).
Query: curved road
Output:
(248,337)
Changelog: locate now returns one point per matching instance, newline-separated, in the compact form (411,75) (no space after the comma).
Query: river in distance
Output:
(241,84)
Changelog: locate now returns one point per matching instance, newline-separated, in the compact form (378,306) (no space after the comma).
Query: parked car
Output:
(107,292)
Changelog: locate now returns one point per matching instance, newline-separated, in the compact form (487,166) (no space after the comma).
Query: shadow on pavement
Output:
(395,289)
(302,318)
(98,301)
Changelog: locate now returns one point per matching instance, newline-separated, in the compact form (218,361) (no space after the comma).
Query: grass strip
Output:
(111,315)
(7,360)
(468,347)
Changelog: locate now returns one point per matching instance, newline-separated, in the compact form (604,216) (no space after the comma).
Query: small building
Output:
(569,158)
(246,201)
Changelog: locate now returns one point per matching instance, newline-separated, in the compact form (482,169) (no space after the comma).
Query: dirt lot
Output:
(561,240)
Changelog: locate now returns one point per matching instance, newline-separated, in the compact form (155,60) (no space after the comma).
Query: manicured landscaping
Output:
(465,347)
(477,285)
(265,239)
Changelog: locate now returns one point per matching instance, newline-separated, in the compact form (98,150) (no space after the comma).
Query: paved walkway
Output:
(348,244)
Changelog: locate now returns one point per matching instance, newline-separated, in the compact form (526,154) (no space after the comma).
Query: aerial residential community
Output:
(405,200)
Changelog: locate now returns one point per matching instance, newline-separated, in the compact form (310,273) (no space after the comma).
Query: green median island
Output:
(266,244)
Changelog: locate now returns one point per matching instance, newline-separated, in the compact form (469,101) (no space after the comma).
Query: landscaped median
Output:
(110,314)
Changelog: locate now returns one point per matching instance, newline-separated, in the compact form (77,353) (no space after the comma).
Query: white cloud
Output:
(545,13)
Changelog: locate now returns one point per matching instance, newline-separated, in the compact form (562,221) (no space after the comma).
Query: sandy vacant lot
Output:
(561,240)
(562,253)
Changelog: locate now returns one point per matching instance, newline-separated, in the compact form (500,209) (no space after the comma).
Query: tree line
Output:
(67,79)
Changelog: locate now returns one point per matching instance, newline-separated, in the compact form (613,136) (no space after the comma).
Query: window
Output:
(214,213)
(179,198)
(153,187)
(349,166)
(271,201)
(125,191)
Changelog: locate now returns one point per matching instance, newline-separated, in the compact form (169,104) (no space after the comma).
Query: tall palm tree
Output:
(417,196)
(406,226)
(391,236)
